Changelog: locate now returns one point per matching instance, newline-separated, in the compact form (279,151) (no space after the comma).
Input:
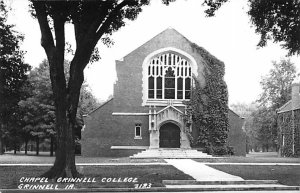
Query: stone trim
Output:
(135,128)
(170,107)
(129,114)
(129,147)
(145,73)
(165,102)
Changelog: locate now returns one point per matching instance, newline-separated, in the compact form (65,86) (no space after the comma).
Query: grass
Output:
(287,175)
(234,159)
(154,174)
(46,159)
(255,157)
(260,157)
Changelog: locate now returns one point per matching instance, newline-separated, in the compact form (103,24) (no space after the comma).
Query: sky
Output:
(228,36)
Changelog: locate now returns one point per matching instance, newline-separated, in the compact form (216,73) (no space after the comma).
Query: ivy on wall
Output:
(297,133)
(208,106)
(289,137)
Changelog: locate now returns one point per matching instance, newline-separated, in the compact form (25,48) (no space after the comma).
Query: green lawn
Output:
(234,159)
(154,174)
(288,175)
(255,157)
(9,158)
(263,157)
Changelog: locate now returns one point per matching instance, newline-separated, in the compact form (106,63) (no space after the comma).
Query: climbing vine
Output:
(208,107)
(288,134)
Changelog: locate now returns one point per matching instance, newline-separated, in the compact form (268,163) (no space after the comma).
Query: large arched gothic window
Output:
(169,77)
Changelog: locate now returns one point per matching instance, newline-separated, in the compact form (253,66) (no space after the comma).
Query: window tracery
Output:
(169,77)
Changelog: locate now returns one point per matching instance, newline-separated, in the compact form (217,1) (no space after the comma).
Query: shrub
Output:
(219,150)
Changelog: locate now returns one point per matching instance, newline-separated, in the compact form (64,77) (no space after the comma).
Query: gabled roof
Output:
(99,106)
(236,113)
(168,30)
(286,107)
(169,106)
(208,58)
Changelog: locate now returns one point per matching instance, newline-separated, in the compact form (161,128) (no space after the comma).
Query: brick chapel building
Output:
(147,105)
(289,125)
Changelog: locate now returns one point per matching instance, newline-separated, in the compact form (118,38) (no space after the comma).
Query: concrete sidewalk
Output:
(200,171)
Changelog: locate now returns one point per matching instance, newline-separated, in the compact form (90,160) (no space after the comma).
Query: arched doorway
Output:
(169,136)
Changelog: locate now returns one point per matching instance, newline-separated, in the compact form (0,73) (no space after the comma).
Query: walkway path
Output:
(200,171)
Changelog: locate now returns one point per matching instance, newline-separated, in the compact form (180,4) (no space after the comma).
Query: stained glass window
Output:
(169,77)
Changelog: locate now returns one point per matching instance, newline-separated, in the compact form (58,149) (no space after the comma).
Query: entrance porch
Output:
(167,129)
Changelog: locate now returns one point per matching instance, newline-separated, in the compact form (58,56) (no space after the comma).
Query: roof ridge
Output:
(284,105)
(236,113)
(168,28)
(108,100)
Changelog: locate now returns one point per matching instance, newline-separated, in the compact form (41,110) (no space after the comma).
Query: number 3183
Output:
(145,185)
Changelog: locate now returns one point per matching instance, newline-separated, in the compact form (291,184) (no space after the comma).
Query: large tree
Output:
(277,84)
(93,20)
(277,21)
(264,125)
(276,92)
(38,109)
(261,124)
(13,75)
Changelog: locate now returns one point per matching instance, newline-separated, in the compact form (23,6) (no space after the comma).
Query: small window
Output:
(138,131)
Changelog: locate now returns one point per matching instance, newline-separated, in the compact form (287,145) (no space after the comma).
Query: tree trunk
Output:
(64,165)
(1,146)
(66,96)
(37,145)
(54,144)
(26,145)
(51,146)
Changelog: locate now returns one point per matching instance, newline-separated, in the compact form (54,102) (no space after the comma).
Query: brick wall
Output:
(236,135)
(128,92)
(104,130)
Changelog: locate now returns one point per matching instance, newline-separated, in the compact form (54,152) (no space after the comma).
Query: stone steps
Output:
(243,185)
(170,153)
